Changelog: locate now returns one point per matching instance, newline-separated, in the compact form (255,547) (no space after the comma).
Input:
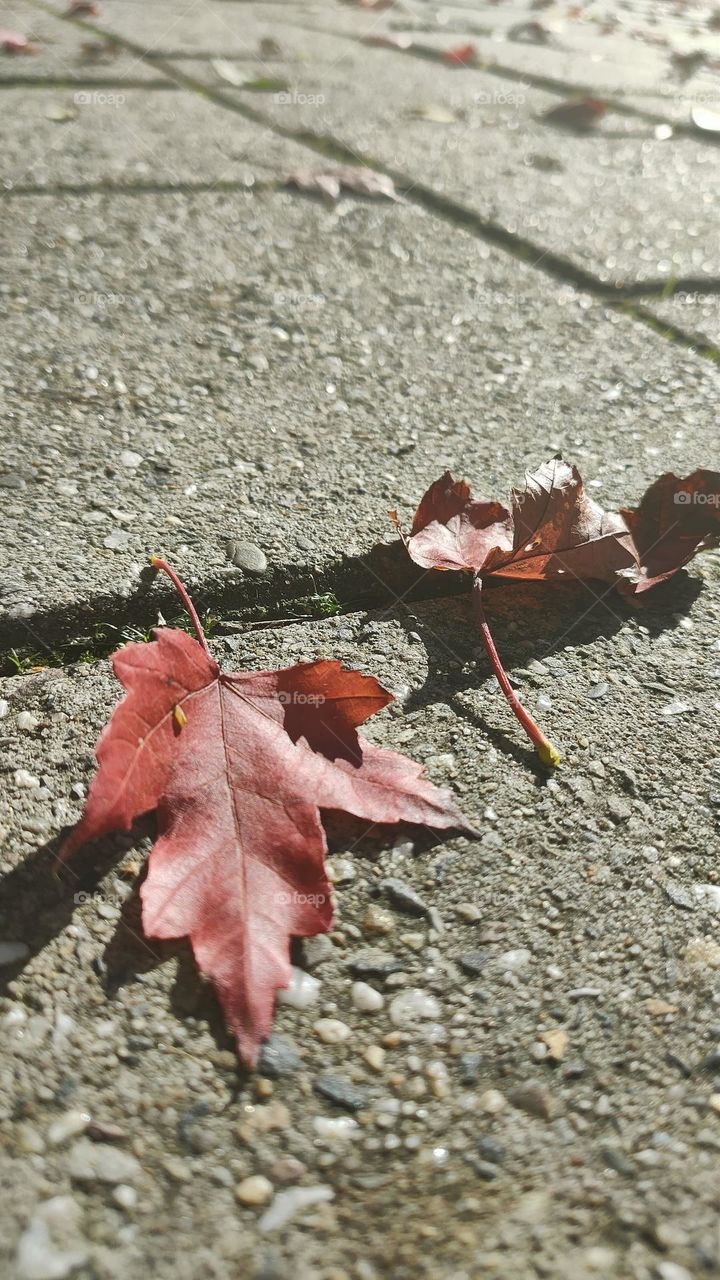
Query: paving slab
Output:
(587,907)
(65,52)
(577,50)
(215,26)
(114,136)
(616,201)
(265,367)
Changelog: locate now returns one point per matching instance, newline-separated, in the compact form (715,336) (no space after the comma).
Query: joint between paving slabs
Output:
(97,627)
(534,79)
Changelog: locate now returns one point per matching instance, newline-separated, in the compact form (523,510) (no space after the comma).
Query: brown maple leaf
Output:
(554,531)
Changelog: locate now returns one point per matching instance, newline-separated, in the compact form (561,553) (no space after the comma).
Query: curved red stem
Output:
(543,746)
(158,563)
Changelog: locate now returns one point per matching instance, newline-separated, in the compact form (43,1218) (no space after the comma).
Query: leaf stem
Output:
(546,751)
(158,563)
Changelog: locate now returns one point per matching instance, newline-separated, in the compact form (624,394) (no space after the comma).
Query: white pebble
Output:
(366,998)
(50,1247)
(492,1101)
(302,990)
(130,459)
(15,1017)
(289,1203)
(340,870)
(708,895)
(91,1162)
(125,1196)
(4,708)
(26,722)
(672,1271)
(25,779)
(67,1126)
(411,1006)
(332,1030)
(254,1190)
(64,1026)
(117,540)
(516,959)
(336,1129)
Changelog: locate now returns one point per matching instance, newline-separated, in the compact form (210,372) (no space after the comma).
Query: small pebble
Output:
(511,961)
(25,779)
(26,722)
(490,1149)
(415,941)
(94,1162)
(67,1126)
(247,556)
(672,1271)
(332,1030)
(317,951)
(374,1055)
(473,962)
(411,1006)
(365,998)
(176,1169)
(708,895)
(287,1204)
(51,1246)
(117,540)
(374,964)
(404,897)
(336,1129)
(288,1169)
(533,1099)
(555,1042)
(302,991)
(125,1196)
(468,912)
(340,870)
(279,1057)
(255,1190)
(378,920)
(130,459)
(492,1102)
(258,361)
(341,1092)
